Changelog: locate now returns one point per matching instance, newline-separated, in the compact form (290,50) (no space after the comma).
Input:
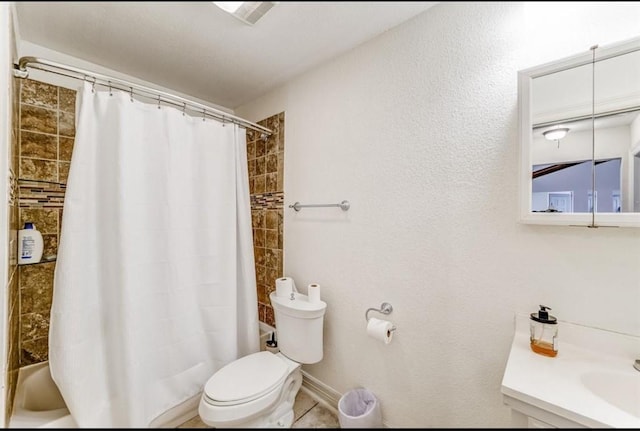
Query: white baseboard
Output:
(321,392)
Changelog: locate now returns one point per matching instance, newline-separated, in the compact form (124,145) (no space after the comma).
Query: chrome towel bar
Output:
(344,205)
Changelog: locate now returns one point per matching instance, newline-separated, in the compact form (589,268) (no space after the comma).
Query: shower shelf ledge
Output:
(43,260)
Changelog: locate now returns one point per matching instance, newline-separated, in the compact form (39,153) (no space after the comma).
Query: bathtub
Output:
(39,404)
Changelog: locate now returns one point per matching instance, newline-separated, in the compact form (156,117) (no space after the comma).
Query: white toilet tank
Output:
(299,326)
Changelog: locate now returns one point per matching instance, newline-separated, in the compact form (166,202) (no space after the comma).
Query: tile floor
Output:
(308,413)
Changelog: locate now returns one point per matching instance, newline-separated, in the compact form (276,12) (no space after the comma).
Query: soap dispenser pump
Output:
(544,332)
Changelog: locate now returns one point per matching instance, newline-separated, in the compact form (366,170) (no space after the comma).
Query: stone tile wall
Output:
(13,294)
(45,143)
(266,172)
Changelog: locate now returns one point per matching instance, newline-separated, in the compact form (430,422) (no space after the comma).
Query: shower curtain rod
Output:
(21,71)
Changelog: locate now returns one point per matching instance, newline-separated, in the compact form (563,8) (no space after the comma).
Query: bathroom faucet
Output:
(636,364)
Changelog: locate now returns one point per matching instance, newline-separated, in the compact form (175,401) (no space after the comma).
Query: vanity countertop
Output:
(591,382)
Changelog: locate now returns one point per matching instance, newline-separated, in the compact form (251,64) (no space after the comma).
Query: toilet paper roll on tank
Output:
(313,292)
(285,286)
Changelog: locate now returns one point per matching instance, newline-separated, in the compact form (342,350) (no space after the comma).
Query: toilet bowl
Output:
(259,390)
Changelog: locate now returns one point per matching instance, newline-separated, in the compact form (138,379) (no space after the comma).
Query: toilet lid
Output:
(246,378)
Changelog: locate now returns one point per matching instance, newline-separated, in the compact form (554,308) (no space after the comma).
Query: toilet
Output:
(259,390)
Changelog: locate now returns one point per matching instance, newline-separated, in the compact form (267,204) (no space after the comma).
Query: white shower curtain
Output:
(154,286)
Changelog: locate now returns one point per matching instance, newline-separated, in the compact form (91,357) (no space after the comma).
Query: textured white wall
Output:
(418,130)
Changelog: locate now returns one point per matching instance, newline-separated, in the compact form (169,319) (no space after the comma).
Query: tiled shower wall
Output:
(266,173)
(13,318)
(45,142)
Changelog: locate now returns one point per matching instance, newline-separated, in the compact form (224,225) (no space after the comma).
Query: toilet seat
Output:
(246,379)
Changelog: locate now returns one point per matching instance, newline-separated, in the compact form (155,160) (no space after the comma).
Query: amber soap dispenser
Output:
(544,332)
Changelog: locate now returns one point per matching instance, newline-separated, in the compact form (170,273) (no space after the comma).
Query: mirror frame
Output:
(525,136)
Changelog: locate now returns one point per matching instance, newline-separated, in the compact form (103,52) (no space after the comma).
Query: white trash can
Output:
(359,408)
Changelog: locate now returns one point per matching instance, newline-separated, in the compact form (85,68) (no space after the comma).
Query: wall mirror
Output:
(579,129)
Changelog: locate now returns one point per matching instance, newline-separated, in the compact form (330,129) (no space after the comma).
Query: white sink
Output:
(590,383)
(620,390)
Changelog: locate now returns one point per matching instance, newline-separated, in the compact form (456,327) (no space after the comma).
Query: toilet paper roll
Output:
(284,286)
(380,329)
(313,292)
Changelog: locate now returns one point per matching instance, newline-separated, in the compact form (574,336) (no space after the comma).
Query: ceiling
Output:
(197,49)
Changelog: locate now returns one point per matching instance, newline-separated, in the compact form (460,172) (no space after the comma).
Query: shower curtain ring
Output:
(110,92)
(204,114)
(93,85)
(131,94)
(158,102)
(223,122)
(184,107)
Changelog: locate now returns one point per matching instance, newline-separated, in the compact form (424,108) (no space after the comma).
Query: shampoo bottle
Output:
(30,244)
(544,332)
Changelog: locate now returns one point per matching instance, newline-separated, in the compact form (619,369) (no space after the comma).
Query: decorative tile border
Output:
(41,194)
(267,200)
(13,188)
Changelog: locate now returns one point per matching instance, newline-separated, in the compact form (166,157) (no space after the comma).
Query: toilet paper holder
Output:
(385,308)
